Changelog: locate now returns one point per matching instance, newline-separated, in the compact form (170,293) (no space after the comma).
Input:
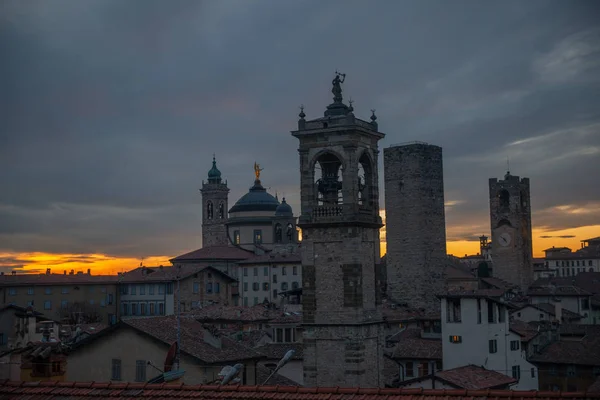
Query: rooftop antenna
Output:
(507,164)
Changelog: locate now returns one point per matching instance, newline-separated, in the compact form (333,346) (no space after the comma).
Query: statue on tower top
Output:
(337,87)
(257,170)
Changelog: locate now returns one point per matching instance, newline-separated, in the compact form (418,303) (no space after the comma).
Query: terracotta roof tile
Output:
(276,351)
(498,283)
(595,388)
(453,272)
(163,274)
(275,380)
(582,347)
(234,314)
(410,345)
(215,253)
(91,390)
(588,281)
(398,313)
(474,378)
(551,309)
(523,329)
(56,279)
(274,258)
(483,293)
(192,338)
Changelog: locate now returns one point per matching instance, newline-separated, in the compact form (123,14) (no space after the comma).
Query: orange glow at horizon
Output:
(99,264)
(37,262)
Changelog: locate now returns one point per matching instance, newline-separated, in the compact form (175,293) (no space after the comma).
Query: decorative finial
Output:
(373,116)
(350,102)
(257,170)
(507,165)
(337,87)
(302,115)
(214,159)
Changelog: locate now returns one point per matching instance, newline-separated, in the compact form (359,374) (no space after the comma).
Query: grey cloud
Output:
(112,110)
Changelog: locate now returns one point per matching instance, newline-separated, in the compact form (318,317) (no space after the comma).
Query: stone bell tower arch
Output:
(340,222)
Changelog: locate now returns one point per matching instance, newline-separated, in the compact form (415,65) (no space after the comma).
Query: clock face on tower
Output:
(504,239)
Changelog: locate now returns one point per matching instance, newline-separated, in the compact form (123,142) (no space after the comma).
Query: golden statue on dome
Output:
(257,170)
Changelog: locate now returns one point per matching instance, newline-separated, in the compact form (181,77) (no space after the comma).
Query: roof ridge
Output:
(21,387)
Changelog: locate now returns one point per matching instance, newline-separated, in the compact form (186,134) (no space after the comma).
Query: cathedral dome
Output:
(257,199)
(284,209)
(214,175)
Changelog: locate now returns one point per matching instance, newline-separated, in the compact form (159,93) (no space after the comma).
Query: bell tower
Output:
(340,222)
(510,218)
(214,209)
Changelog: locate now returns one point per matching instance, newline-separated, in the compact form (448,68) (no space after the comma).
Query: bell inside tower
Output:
(328,174)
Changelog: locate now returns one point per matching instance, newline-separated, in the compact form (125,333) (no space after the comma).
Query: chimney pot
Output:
(89,271)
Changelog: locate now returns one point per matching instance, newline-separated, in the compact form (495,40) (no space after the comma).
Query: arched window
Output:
(504,199)
(328,180)
(278,233)
(209,210)
(221,210)
(523,200)
(365,181)
(290,232)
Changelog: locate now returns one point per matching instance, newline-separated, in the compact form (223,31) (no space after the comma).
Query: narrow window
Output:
(410,370)
(493,346)
(140,371)
(516,372)
(116,370)
(258,236)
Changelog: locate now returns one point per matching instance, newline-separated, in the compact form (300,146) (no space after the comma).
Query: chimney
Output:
(89,271)
(65,272)
(72,272)
(48,271)
(558,311)
(13,272)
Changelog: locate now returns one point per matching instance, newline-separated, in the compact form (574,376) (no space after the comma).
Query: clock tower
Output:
(510,217)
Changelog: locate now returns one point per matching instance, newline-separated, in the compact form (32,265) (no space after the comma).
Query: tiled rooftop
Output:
(142,391)
(162,274)
(483,293)
(276,351)
(475,378)
(581,348)
(276,380)
(215,253)
(551,309)
(523,329)
(398,313)
(498,283)
(410,345)
(235,314)
(274,258)
(192,342)
(566,290)
(56,279)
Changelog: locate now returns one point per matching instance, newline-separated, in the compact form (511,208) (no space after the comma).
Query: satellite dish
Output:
(170,357)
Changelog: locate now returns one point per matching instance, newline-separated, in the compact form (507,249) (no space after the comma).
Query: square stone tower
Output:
(340,222)
(510,220)
(214,206)
(416,224)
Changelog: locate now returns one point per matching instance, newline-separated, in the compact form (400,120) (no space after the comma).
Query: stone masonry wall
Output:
(214,230)
(415,224)
(512,263)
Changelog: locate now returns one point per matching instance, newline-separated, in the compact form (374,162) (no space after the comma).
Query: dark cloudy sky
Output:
(110,110)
